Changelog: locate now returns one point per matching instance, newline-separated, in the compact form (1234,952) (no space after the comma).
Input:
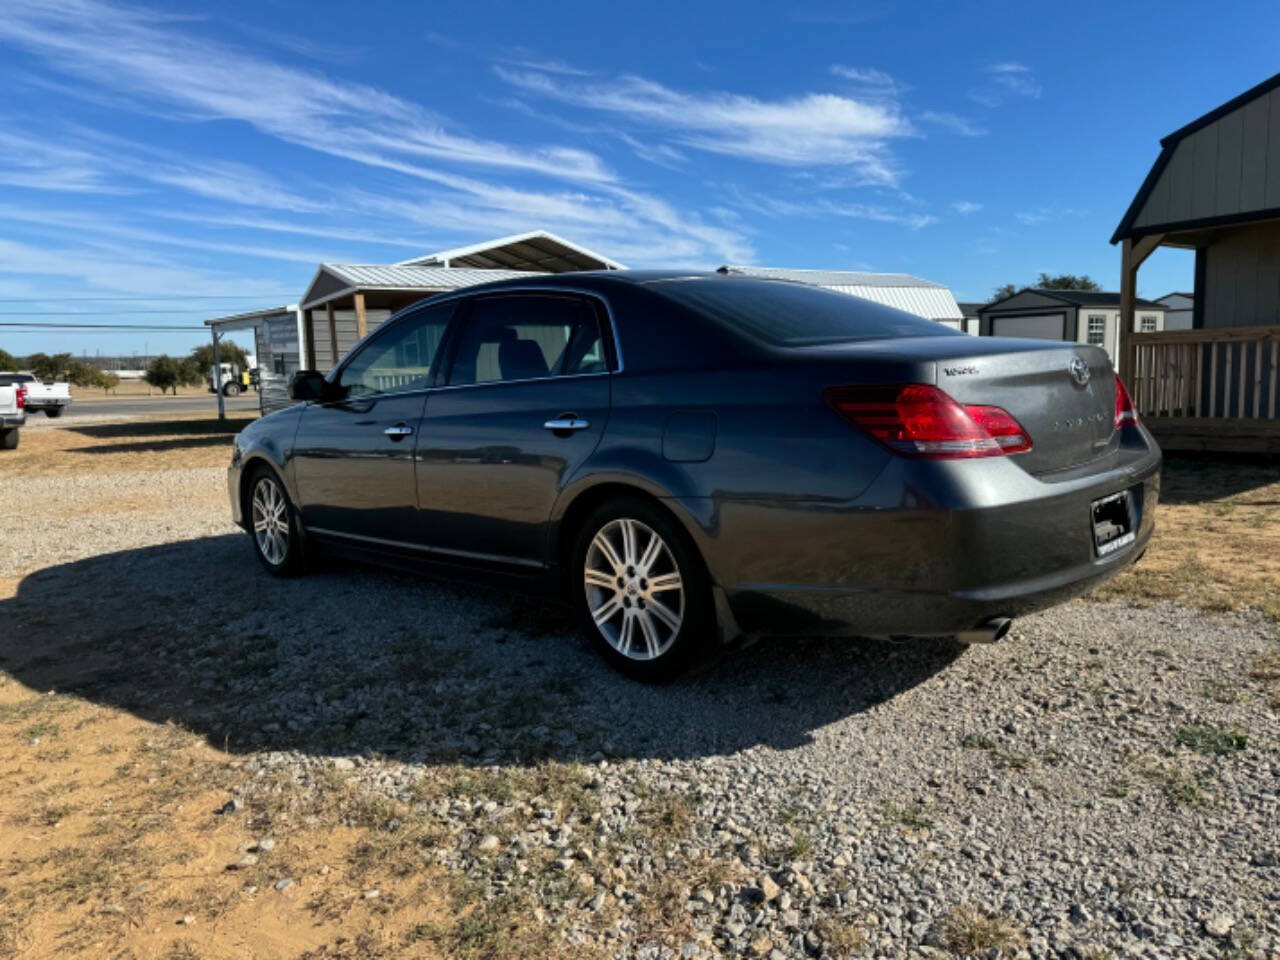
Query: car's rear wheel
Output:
(53,411)
(641,591)
(273,525)
(9,440)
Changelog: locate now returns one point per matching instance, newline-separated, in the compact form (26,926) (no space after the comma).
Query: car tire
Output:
(9,440)
(54,412)
(273,524)
(645,606)
(231,390)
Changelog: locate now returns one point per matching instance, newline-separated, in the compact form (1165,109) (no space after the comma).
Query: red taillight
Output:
(22,396)
(1125,411)
(919,420)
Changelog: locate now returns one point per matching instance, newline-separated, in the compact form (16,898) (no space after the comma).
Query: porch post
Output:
(333,332)
(217,374)
(362,326)
(308,340)
(1132,254)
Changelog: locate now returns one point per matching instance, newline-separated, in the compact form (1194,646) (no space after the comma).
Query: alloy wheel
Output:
(635,593)
(271,521)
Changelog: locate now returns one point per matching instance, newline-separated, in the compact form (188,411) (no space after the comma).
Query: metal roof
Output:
(924,298)
(243,321)
(361,276)
(1077,298)
(536,250)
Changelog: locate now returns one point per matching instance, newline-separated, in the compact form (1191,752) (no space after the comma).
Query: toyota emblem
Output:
(1079,370)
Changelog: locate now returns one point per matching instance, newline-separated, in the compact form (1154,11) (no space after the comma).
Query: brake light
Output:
(1125,410)
(919,420)
(22,396)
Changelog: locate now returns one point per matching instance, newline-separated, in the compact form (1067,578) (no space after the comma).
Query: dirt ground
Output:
(112,843)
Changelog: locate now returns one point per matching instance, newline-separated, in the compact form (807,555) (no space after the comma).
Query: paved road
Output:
(246,403)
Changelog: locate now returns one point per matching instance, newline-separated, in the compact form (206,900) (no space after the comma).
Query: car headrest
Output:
(521,360)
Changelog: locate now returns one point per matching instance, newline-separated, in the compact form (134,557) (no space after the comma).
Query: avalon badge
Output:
(1079,370)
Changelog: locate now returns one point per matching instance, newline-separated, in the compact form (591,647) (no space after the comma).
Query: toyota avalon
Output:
(690,458)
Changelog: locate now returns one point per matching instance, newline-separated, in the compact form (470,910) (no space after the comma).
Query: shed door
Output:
(1042,326)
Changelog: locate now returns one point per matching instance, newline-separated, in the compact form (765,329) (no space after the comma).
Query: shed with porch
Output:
(1215,189)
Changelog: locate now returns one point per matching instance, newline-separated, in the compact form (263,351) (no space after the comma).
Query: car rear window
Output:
(795,314)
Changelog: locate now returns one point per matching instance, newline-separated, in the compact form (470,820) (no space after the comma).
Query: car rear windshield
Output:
(795,314)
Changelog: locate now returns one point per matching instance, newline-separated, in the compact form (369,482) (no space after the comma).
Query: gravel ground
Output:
(1105,782)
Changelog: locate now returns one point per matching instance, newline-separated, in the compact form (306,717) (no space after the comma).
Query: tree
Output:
(81,374)
(49,368)
(1067,281)
(228,352)
(164,373)
(1063,281)
(191,373)
(108,381)
(8,361)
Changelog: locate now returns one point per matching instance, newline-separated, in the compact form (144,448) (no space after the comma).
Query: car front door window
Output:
(399,360)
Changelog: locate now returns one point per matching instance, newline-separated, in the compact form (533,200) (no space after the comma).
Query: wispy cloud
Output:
(815,129)
(772,206)
(1005,80)
(868,80)
(158,66)
(965,207)
(1046,214)
(143,55)
(953,123)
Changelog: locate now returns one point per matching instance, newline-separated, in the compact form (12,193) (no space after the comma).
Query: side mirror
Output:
(308,385)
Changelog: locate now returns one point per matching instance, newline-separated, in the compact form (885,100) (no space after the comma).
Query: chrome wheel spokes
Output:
(634,590)
(271,521)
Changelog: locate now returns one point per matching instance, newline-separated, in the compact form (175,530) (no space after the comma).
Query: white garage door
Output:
(1043,326)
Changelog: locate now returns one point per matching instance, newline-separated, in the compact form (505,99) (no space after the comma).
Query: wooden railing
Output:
(1228,373)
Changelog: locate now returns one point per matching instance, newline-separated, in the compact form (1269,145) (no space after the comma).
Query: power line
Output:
(99,313)
(161,296)
(104,327)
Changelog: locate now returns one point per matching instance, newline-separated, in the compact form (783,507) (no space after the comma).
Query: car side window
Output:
(401,358)
(528,337)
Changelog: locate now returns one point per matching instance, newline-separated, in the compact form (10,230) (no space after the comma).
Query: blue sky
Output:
(202,150)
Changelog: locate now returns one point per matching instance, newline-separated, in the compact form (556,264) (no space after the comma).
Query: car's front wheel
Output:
(641,591)
(273,525)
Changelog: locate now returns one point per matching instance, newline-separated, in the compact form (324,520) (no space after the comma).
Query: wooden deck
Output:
(1208,390)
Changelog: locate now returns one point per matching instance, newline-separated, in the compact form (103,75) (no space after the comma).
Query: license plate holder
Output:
(1113,523)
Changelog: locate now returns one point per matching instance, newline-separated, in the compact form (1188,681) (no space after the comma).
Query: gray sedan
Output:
(690,458)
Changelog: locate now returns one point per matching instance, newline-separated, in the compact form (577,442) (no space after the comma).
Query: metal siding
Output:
(932,303)
(1230,149)
(1273,151)
(1204,179)
(1253,159)
(1179,173)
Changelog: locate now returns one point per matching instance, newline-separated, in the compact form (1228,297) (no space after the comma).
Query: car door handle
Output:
(560,424)
(398,431)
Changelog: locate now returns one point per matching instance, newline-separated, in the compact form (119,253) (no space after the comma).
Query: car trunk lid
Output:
(1064,397)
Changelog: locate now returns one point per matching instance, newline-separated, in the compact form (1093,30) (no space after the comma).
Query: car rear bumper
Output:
(13,420)
(931,548)
(50,403)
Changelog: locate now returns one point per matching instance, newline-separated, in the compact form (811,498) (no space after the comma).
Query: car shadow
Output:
(350,660)
(1189,478)
(164,428)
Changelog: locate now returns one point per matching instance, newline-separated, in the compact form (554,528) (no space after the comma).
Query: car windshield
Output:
(795,314)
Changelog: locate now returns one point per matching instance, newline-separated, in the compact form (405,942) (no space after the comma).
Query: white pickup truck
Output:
(13,414)
(52,398)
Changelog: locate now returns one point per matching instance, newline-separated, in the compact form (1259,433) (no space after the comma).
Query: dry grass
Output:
(1217,539)
(972,932)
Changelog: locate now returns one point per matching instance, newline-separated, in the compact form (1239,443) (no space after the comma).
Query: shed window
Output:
(1148,325)
(1097,329)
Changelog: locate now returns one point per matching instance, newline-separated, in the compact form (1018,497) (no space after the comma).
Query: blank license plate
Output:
(1113,523)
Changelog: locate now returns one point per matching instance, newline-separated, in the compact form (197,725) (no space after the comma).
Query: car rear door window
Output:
(401,357)
(528,337)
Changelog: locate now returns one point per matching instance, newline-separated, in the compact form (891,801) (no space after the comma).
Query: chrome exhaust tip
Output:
(989,631)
